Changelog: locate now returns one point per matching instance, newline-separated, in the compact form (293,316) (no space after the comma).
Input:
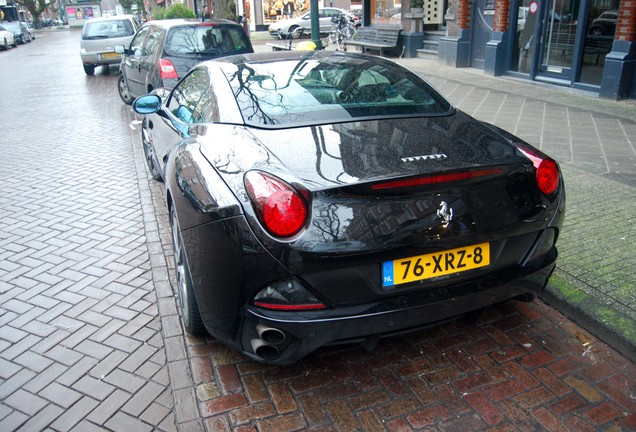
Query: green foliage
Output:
(175,11)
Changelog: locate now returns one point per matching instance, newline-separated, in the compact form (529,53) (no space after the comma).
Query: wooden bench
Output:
(375,39)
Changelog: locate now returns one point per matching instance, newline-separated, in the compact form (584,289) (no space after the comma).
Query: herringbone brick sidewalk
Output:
(80,340)
(90,337)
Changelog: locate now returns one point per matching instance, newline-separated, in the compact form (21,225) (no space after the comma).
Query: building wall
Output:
(618,67)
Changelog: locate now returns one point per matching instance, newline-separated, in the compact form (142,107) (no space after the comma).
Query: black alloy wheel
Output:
(149,152)
(596,31)
(187,301)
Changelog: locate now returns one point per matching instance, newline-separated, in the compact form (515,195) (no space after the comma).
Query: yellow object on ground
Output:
(305,46)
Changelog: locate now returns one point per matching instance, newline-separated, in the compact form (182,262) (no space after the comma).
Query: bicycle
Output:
(342,29)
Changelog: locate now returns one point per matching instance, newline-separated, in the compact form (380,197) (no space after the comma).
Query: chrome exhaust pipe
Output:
(270,335)
(264,350)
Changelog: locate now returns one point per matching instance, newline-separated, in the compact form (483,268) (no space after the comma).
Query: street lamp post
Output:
(315,23)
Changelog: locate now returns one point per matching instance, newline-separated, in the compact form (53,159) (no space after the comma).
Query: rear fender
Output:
(194,186)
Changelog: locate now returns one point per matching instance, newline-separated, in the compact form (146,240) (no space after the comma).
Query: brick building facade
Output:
(586,44)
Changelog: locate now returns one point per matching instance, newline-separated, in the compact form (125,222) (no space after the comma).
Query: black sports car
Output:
(320,198)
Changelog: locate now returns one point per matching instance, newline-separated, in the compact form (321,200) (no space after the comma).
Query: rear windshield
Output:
(329,89)
(108,29)
(12,26)
(207,40)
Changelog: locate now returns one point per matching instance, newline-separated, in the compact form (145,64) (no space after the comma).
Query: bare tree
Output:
(36,8)
(128,4)
(224,9)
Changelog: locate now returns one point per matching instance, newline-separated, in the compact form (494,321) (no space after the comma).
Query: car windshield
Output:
(15,27)
(108,29)
(205,40)
(326,89)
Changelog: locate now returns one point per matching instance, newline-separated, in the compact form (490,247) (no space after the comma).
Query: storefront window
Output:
(386,12)
(524,38)
(276,10)
(601,26)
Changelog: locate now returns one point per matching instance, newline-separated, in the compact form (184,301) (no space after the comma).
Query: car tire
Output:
(124,93)
(294,34)
(5,45)
(149,152)
(90,70)
(596,31)
(187,301)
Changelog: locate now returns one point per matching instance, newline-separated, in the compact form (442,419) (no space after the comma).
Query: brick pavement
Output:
(80,330)
(90,337)
(522,367)
(595,143)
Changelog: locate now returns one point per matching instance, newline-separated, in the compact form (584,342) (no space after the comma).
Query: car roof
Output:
(111,18)
(167,23)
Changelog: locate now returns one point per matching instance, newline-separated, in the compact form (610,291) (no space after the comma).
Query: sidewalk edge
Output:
(610,326)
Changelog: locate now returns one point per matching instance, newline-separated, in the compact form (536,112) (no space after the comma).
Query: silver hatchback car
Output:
(101,35)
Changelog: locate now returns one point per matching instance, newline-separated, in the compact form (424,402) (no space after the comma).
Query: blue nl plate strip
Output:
(387,274)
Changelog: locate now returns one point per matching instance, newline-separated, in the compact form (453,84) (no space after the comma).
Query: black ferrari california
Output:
(322,198)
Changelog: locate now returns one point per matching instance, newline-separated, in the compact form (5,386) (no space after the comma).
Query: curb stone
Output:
(607,324)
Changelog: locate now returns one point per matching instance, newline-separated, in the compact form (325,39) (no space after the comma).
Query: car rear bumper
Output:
(285,337)
(96,59)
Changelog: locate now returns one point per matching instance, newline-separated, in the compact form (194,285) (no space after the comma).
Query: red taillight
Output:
(280,208)
(167,69)
(547,171)
(547,176)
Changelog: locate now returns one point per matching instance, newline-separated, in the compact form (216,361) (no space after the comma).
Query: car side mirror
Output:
(120,49)
(148,104)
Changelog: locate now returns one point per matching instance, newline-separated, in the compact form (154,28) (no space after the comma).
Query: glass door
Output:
(558,37)
(524,41)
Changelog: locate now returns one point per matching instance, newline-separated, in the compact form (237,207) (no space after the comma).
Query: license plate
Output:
(436,264)
(109,55)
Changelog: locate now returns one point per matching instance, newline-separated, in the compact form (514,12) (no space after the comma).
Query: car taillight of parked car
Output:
(547,170)
(167,69)
(280,208)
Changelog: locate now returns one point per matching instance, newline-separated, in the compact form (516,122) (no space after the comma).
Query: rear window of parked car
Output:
(108,29)
(284,93)
(201,39)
